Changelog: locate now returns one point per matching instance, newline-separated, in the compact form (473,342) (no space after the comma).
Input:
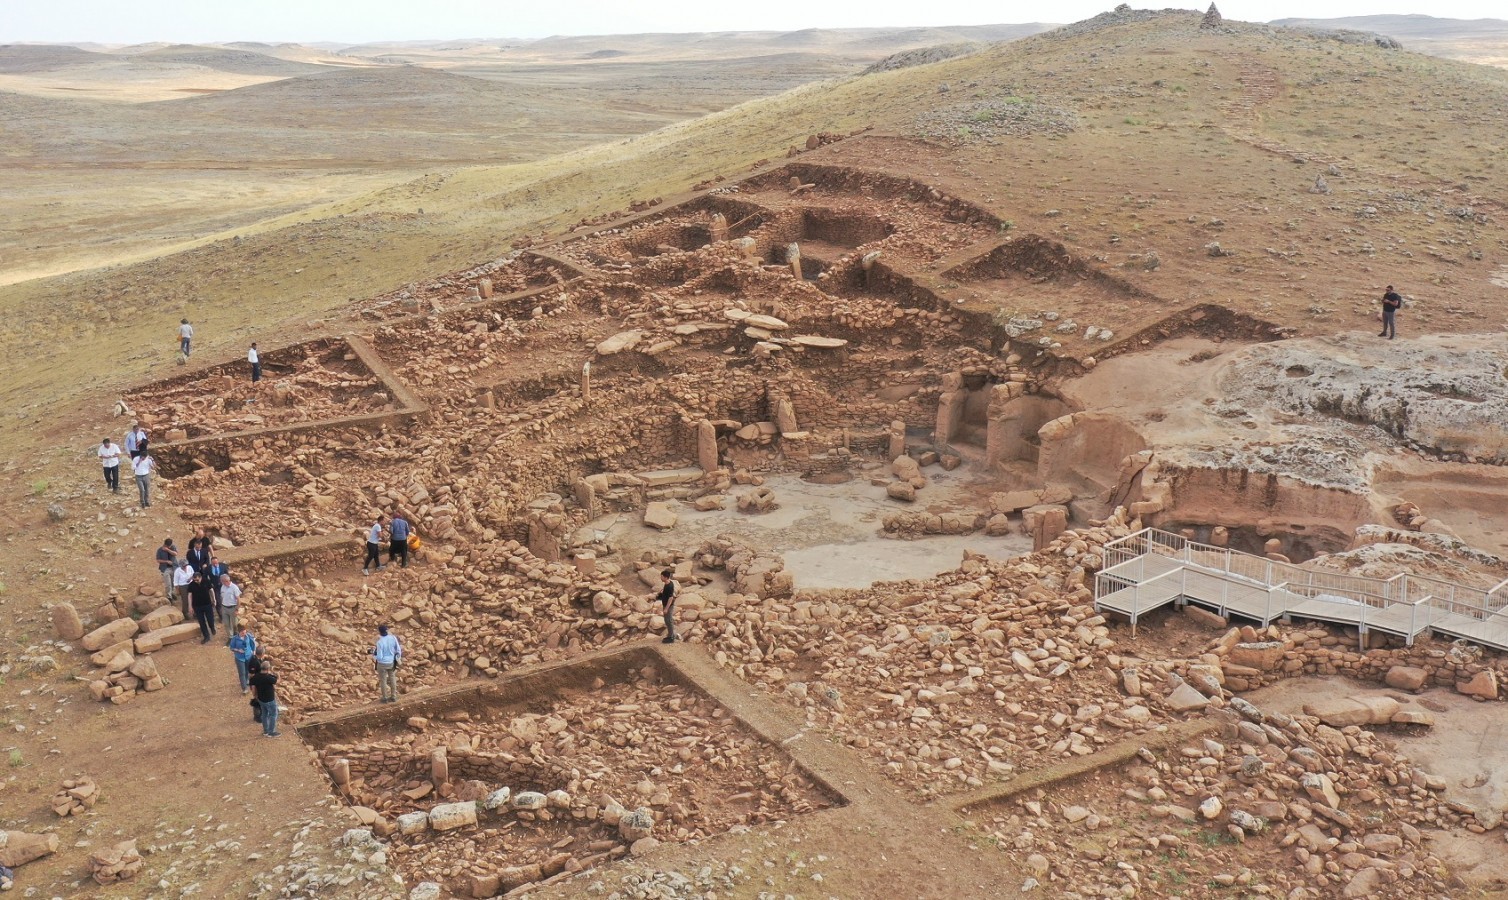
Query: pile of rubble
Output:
(119,862)
(122,647)
(609,771)
(75,796)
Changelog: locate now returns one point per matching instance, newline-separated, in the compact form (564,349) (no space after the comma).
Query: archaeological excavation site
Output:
(1119,594)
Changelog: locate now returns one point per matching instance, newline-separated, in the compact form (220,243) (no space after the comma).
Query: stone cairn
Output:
(1212,18)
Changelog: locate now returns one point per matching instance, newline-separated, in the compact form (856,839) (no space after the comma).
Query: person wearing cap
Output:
(387,655)
(109,458)
(185,338)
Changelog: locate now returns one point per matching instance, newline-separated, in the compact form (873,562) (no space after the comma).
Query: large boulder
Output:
(20,847)
(161,617)
(110,633)
(66,623)
(448,816)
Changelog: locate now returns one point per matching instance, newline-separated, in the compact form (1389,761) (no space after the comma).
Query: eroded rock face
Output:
(1441,399)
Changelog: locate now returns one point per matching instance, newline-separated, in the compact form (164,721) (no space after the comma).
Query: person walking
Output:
(1391,301)
(109,459)
(398,539)
(215,570)
(670,589)
(387,656)
(229,595)
(256,363)
(185,338)
(374,547)
(243,646)
(264,682)
(142,467)
(202,598)
(136,440)
(167,561)
(183,576)
(198,553)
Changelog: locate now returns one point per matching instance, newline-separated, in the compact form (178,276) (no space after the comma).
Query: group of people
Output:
(201,584)
(141,462)
(401,539)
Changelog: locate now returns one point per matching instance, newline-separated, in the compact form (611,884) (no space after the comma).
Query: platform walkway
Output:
(1151,569)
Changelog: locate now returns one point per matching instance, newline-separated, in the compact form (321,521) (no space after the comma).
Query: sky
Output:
(359,21)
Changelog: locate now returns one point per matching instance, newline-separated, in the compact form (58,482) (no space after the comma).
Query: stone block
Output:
(1265,656)
(449,816)
(1204,617)
(177,634)
(659,515)
(1406,678)
(161,617)
(901,490)
(1185,699)
(110,633)
(21,847)
(1338,712)
(1484,684)
(66,623)
(147,643)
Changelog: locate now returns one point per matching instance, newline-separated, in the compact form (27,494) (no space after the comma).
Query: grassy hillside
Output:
(1177,128)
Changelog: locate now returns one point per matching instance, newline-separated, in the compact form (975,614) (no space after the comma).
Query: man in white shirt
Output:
(183,576)
(387,655)
(185,338)
(109,459)
(374,548)
(230,603)
(142,467)
(256,363)
(136,440)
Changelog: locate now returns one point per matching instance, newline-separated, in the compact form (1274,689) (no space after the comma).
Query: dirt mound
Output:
(908,58)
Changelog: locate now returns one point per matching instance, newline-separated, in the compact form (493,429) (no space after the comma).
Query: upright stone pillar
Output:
(949,409)
(793,259)
(586,381)
(897,439)
(719,228)
(706,445)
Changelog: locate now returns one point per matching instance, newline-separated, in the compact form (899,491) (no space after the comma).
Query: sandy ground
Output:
(830,534)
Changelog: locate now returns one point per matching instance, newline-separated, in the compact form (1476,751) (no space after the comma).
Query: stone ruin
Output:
(671,364)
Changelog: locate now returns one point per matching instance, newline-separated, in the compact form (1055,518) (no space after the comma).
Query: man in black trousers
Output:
(202,595)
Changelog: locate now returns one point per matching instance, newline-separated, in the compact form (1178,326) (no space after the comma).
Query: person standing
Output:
(1391,301)
(198,553)
(256,363)
(136,440)
(265,683)
(202,599)
(109,459)
(243,646)
(670,589)
(167,561)
(253,668)
(142,467)
(185,338)
(229,594)
(373,558)
(183,576)
(387,656)
(398,539)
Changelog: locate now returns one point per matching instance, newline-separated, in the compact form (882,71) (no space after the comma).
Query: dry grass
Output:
(1169,139)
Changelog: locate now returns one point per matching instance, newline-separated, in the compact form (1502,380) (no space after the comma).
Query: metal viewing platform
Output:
(1152,568)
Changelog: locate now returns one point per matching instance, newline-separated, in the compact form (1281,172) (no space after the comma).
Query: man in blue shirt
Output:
(387,655)
(243,646)
(398,539)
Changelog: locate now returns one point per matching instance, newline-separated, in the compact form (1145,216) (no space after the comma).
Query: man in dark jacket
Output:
(265,685)
(202,598)
(1391,301)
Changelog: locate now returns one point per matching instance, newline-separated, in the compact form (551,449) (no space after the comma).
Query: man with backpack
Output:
(1391,302)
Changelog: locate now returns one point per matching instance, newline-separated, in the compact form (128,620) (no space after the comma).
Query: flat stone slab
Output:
(812,340)
(664,477)
(623,340)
